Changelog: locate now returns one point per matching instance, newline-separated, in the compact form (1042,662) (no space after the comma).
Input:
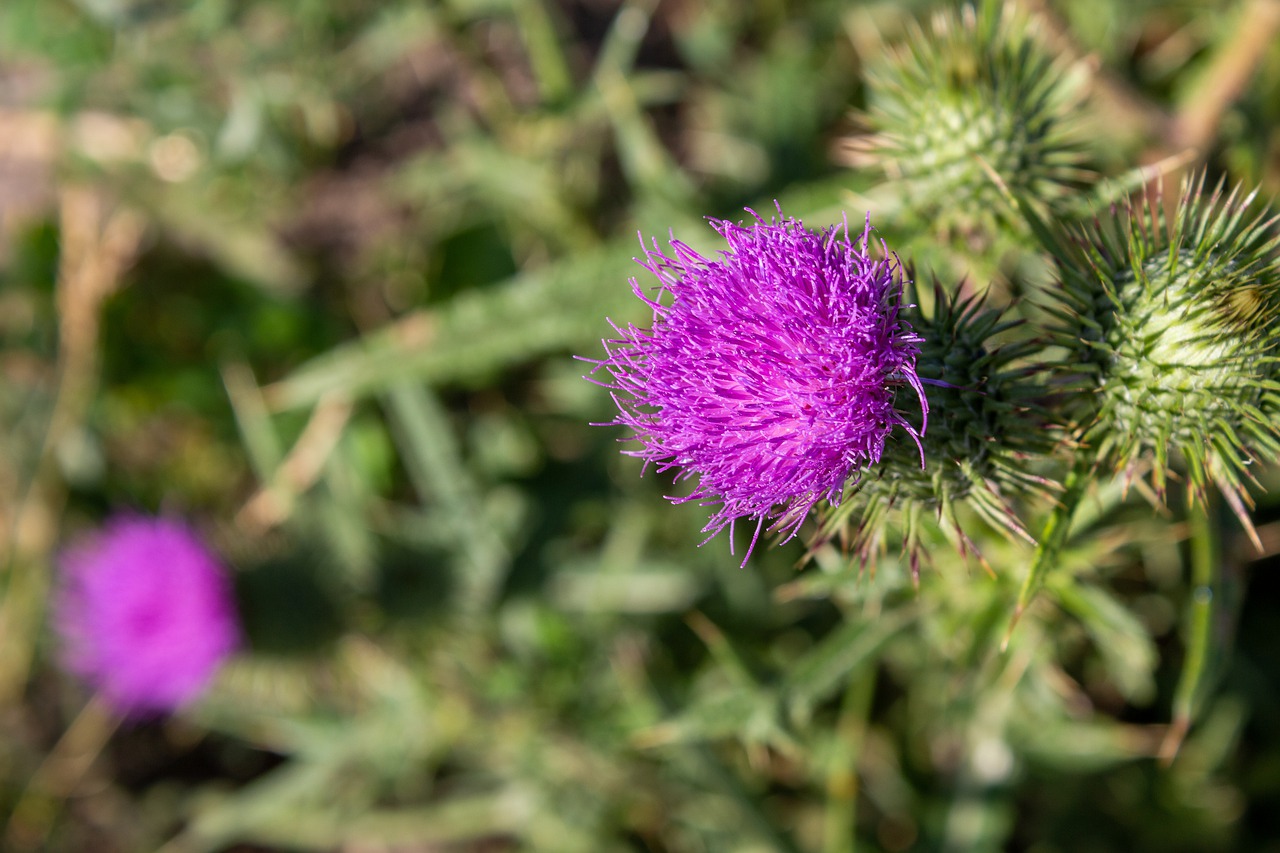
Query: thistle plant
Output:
(145,613)
(464,634)
(771,373)
(966,110)
(987,430)
(1172,321)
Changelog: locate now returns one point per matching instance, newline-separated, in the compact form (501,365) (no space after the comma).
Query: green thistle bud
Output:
(1174,326)
(969,104)
(983,426)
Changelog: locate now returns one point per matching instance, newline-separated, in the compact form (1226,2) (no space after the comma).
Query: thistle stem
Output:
(1205,581)
(1052,538)
(840,815)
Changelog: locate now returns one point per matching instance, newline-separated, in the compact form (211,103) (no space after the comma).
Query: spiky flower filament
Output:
(770,373)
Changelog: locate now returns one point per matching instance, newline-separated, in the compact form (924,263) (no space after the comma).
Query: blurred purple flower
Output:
(146,614)
(772,371)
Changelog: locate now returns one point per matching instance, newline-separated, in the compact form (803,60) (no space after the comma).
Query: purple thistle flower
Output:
(772,371)
(145,613)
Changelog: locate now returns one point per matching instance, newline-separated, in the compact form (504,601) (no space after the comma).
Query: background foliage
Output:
(311,274)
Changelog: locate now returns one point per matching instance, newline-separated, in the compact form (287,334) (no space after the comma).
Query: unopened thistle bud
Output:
(985,426)
(1174,324)
(968,104)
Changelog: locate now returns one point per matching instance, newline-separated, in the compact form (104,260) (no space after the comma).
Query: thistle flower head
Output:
(145,614)
(771,372)
(969,103)
(986,424)
(1176,324)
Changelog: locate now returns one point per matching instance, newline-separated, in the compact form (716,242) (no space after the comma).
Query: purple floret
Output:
(146,614)
(770,373)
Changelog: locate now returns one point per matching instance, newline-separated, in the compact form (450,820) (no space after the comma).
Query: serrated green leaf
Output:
(560,307)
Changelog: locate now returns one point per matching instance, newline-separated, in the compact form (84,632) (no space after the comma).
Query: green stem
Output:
(1205,580)
(840,819)
(1052,538)
(546,55)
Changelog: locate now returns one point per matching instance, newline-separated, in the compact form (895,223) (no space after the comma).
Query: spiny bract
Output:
(983,396)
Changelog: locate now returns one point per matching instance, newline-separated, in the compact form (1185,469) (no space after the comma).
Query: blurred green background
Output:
(311,273)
